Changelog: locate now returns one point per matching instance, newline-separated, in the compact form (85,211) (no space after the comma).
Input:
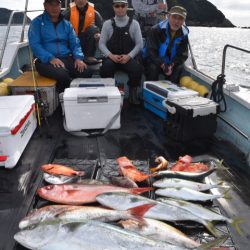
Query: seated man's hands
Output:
(57,63)
(167,69)
(115,58)
(124,59)
(80,65)
(97,36)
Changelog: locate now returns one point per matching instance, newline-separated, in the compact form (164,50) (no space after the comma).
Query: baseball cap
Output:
(120,1)
(51,1)
(178,10)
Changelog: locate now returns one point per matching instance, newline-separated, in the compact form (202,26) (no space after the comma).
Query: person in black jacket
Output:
(167,46)
(87,23)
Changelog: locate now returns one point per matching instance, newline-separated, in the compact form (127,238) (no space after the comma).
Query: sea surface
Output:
(207,45)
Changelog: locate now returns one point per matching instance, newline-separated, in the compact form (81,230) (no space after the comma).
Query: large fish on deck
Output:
(129,170)
(77,194)
(160,231)
(165,211)
(89,235)
(68,213)
(57,169)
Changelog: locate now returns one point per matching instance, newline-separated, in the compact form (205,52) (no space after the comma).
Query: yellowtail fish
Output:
(89,235)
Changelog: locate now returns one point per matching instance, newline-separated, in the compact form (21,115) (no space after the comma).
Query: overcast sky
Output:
(237,11)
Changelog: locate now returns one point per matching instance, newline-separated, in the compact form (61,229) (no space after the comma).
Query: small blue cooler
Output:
(156,92)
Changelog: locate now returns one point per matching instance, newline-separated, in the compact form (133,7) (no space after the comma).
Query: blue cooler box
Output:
(156,92)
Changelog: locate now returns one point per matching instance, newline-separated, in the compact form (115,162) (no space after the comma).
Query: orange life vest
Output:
(89,17)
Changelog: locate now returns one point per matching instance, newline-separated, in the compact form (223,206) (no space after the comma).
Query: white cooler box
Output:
(91,108)
(17,124)
(92,82)
(155,92)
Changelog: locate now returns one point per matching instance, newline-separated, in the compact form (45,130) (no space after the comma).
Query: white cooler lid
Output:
(172,89)
(92,81)
(200,105)
(13,109)
(71,94)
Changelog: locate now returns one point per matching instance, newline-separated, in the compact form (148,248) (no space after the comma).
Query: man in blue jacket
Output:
(56,47)
(167,46)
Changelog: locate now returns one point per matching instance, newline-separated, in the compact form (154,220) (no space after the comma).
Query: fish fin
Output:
(139,211)
(220,165)
(80,173)
(226,195)
(140,190)
(211,228)
(217,242)
(235,223)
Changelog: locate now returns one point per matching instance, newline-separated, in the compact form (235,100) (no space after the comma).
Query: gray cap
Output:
(120,1)
(178,10)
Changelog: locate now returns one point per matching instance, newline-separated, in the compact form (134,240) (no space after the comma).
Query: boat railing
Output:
(10,23)
(7,34)
(224,55)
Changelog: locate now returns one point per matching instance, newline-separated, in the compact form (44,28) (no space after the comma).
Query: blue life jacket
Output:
(164,46)
(162,52)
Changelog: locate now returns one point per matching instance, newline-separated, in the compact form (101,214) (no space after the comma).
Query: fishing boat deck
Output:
(141,137)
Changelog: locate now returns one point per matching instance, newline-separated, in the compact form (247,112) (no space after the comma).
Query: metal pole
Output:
(24,21)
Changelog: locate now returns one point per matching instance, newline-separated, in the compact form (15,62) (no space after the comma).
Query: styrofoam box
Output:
(92,82)
(48,96)
(91,108)
(17,124)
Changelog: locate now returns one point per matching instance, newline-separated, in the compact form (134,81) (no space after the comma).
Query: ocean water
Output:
(207,45)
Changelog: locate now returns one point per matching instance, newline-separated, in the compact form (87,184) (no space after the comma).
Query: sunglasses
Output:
(119,6)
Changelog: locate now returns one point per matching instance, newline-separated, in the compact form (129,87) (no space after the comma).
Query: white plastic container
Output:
(17,124)
(156,92)
(91,108)
(92,82)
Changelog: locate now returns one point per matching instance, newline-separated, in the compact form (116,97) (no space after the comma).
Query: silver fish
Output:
(89,235)
(123,181)
(160,231)
(124,201)
(185,175)
(197,209)
(179,183)
(59,179)
(187,194)
(67,213)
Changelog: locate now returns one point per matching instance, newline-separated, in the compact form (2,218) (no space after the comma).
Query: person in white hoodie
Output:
(120,43)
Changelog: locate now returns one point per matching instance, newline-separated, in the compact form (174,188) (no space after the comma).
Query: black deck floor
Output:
(141,137)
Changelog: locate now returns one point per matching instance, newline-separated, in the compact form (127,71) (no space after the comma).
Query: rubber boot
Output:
(133,96)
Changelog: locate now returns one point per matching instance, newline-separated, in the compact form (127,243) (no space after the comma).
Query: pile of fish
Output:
(118,217)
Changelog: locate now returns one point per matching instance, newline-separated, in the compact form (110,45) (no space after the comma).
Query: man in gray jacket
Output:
(120,42)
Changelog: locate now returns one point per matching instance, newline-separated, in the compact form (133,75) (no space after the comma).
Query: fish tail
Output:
(211,228)
(226,195)
(139,211)
(217,242)
(235,223)
(140,190)
(220,165)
